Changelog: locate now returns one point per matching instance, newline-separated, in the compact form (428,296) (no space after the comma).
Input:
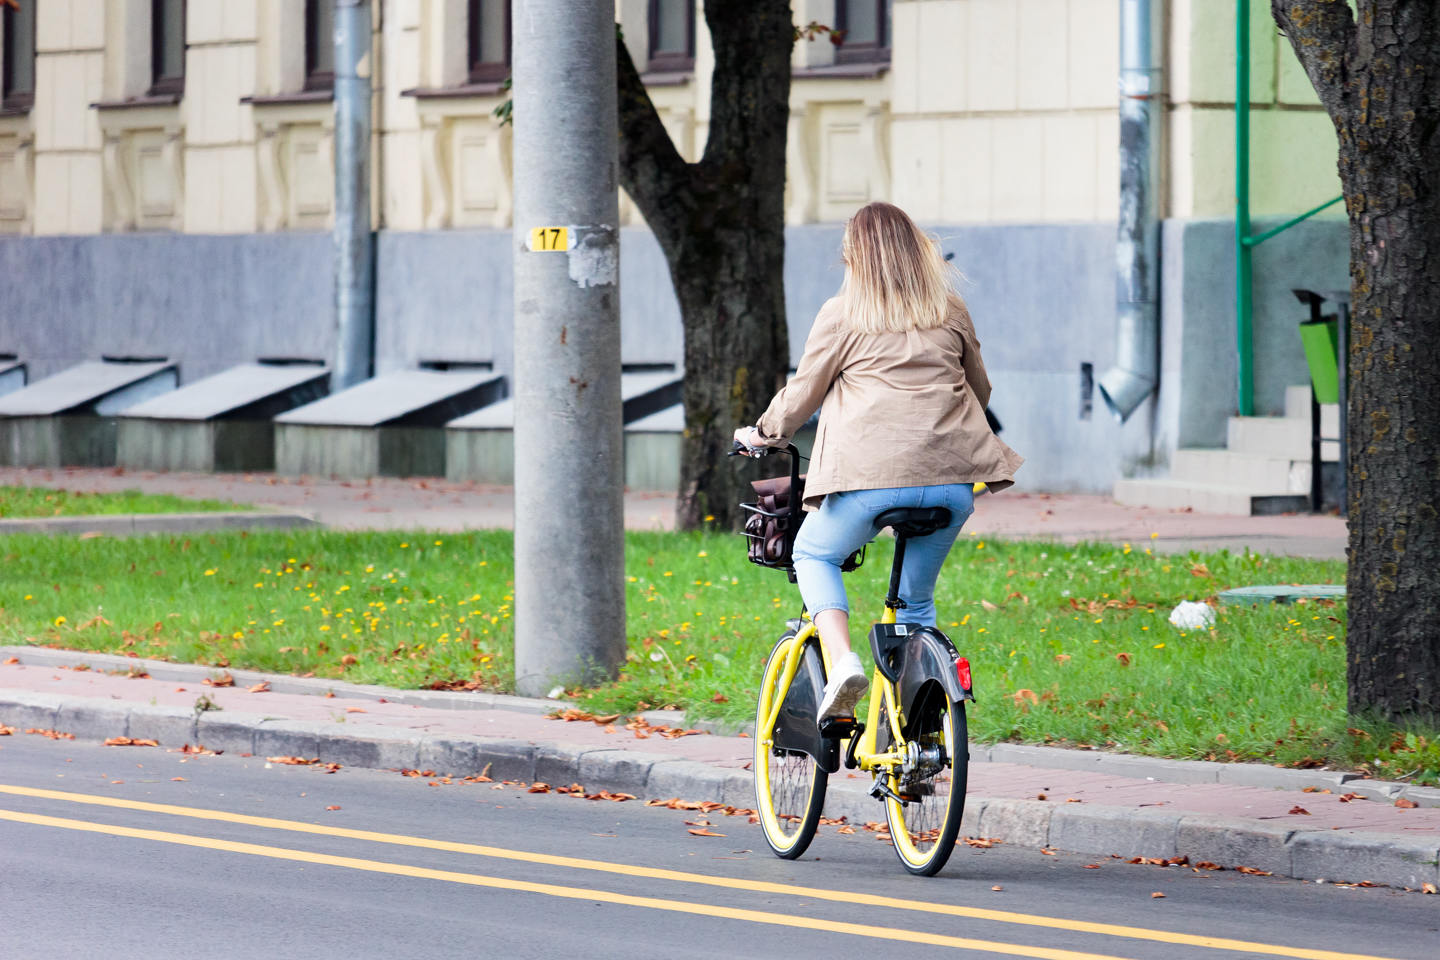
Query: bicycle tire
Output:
(789,785)
(923,831)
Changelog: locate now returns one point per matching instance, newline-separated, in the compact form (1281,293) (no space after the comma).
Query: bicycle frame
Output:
(882,690)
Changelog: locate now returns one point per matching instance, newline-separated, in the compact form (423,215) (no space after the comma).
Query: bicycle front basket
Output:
(773,521)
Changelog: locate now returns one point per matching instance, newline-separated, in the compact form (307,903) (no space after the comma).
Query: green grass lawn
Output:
(1069,644)
(31,502)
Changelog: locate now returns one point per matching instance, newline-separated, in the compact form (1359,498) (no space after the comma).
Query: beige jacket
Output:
(899,409)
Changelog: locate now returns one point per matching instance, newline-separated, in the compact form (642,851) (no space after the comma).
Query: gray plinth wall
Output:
(1042,295)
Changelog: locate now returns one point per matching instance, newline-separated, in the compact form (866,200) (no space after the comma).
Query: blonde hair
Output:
(895,277)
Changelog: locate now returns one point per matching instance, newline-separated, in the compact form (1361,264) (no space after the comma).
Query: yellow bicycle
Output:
(913,740)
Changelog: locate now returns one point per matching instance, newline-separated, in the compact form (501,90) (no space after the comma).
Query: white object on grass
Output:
(1192,616)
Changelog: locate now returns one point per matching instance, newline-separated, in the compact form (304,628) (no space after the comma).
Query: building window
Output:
(866,24)
(17,59)
(672,36)
(319,44)
(167,46)
(489,40)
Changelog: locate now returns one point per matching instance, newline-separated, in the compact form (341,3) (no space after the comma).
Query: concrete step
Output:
(1297,404)
(1207,497)
(1232,468)
(1280,437)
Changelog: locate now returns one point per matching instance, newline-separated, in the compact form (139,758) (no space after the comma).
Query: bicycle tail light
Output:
(962,672)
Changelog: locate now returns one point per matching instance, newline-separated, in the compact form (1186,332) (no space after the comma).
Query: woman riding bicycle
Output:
(894,366)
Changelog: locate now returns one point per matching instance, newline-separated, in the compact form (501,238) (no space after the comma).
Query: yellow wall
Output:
(991,111)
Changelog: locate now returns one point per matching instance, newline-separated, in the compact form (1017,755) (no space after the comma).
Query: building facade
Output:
(166,178)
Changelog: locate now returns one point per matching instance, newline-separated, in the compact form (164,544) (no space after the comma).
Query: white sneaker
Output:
(847,685)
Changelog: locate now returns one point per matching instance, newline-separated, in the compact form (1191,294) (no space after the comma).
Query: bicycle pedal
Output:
(840,728)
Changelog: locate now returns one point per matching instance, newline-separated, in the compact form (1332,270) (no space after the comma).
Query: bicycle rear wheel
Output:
(789,784)
(924,828)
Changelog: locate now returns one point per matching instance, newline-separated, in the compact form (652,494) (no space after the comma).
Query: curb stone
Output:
(1336,856)
(279,682)
(140,524)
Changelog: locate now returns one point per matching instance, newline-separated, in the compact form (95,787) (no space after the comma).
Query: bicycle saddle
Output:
(914,521)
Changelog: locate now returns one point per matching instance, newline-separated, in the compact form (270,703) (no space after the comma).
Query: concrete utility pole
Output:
(354,241)
(569,531)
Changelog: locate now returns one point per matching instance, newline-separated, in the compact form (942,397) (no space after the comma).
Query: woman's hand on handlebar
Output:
(749,443)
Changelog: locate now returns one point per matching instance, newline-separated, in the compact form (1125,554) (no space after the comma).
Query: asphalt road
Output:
(249,860)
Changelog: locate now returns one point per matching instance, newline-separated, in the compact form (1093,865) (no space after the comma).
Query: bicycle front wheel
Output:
(924,827)
(789,784)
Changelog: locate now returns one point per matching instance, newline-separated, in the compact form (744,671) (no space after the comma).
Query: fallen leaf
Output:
(1021,695)
(1252,872)
(333,806)
(1406,804)
(128,742)
(355,710)
(702,832)
(538,787)
(349,660)
(1062,658)
(1047,852)
(720,698)
(988,605)
(1073,800)
(1092,866)
(1157,895)
(997,888)
(262,687)
(50,734)
(10,660)
(1200,570)
(6,731)
(1428,888)
(177,779)
(699,823)
(293,761)
(224,680)
(1124,659)
(1042,796)
(846,829)
(1348,797)
(1301,811)
(1207,865)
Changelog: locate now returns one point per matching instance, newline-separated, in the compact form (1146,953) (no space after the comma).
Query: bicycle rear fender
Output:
(928,655)
(795,728)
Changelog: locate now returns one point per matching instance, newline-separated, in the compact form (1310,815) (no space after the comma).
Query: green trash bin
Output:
(1319,339)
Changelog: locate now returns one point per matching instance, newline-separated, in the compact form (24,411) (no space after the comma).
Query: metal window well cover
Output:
(1282,593)
(407,397)
(12,376)
(669,420)
(641,394)
(100,387)
(244,391)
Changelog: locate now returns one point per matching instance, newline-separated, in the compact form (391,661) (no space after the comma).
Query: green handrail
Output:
(1244,241)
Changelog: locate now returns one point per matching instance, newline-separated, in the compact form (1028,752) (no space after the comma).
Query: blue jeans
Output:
(846,521)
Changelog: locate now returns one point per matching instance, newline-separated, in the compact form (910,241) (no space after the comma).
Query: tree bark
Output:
(1378,76)
(721,225)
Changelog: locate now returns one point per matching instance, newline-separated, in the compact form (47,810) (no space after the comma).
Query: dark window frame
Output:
(317,79)
(10,100)
(160,83)
(484,71)
(670,61)
(877,52)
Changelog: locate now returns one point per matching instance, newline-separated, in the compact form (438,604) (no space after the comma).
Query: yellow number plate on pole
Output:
(549,238)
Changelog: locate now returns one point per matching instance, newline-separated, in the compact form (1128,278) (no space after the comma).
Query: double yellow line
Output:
(629,870)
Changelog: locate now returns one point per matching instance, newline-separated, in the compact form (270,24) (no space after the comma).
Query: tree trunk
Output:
(1379,79)
(721,225)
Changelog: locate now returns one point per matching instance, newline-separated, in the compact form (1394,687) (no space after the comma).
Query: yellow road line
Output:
(659,873)
(891,934)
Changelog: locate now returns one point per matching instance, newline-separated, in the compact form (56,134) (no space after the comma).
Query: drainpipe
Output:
(1137,245)
(354,241)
